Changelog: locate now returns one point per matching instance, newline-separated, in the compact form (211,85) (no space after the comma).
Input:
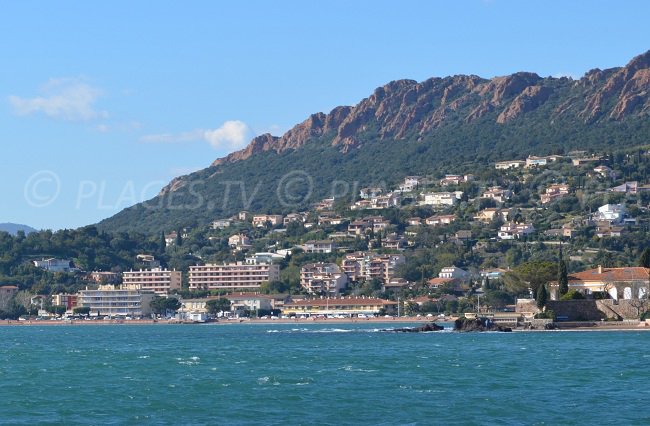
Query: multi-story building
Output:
(347,306)
(54,265)
(294,217)
(260,220)
(455,179)
(554,192)
(232,276)
(64,299)
(453,272)
(440,220)
(499,195)
(366,266)
(325,246)
(511,230)
(441,198)
(126,300)
(612,213)
(511,164)
(323,278)
(240,242)
(221,223)
(158,280)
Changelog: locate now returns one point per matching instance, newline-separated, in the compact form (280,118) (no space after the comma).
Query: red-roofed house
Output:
(620,283)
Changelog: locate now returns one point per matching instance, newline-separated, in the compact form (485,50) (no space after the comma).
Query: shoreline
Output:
(583,326)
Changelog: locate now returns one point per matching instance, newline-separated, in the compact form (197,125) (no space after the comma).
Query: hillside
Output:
(451,124)
(13,228)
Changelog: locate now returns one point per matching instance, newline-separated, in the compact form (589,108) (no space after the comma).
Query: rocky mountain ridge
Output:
(403,107)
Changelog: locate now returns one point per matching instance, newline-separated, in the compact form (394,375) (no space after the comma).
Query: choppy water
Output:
(316,374)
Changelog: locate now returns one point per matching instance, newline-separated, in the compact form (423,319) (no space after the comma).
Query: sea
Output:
(320,374)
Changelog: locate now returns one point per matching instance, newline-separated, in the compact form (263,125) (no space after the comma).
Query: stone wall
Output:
(525,306)
(593,310)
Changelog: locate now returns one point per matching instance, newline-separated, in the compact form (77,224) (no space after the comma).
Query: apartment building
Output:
(323,278)
(232,276)
(158,280)
(366,266)
(125,300)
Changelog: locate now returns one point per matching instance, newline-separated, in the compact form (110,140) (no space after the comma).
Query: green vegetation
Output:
(215,306)
(572,295)
(165,305)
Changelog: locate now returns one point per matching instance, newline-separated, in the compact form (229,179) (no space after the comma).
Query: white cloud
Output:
(69,99)
(192,136)
(233,134)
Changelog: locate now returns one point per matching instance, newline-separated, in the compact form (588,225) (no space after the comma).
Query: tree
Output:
(529,275)
(644,260)
(163,305)
(13,311)
(162,244)
(541,296)
(270,287)
(215,306)
(562,277)
(57,309)
(82,310)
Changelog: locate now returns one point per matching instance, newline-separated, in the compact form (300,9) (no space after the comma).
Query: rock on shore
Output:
(478,324)
(425,327)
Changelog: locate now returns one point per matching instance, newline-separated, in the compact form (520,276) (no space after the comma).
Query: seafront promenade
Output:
(562,326)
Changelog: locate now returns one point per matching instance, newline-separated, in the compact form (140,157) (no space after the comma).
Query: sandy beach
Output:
(562,326)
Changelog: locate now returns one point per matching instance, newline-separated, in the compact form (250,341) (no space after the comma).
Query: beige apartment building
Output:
(232,276)
(158,280)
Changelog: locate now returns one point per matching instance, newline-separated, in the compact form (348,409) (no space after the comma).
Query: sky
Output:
(103,103)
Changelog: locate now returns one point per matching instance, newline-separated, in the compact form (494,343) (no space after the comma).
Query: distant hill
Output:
(13,228)
(450,124)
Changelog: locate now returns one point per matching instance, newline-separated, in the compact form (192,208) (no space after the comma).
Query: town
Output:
(512,240)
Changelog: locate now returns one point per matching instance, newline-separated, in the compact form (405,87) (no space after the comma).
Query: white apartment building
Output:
(158,280)
(325,246)
(232,276)
(453,272)
(441,198)
(125,300)
(54,265)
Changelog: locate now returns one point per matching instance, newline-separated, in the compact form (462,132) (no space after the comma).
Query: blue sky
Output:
(102,103)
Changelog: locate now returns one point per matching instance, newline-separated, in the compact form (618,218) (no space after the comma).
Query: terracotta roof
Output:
(342,301)
(440,281)
(632,273)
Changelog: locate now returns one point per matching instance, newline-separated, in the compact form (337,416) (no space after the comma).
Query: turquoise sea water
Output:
(294,374)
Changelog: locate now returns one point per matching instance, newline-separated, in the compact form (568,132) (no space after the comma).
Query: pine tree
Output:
(179,238)
(562,276)
(163,242)
(542,296)
(644,260)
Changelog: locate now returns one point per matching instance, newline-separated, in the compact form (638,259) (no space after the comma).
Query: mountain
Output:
(13,228)
(450,124)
